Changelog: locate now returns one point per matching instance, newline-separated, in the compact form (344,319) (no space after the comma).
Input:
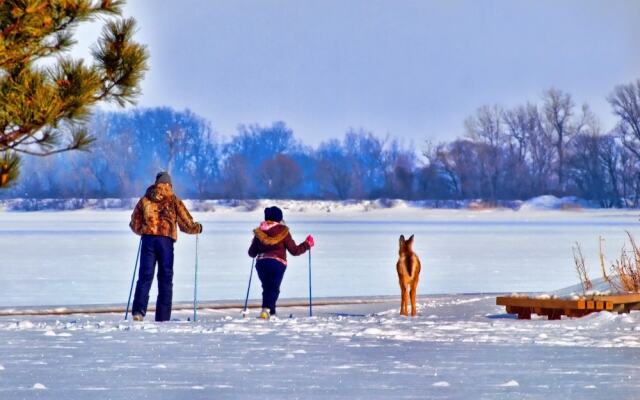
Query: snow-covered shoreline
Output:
(327,206)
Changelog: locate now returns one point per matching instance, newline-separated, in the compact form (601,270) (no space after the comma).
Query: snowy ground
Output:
(459,347)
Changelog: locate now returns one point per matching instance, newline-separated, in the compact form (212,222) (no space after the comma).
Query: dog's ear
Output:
(410,242)
(402,240)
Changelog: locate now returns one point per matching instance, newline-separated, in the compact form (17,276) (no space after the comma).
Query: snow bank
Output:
(575,292)
(600,288)
(24,204)
(324,206)
(549,202)
(541,203)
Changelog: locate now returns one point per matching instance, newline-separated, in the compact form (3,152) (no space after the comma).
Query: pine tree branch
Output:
(78,144)
(9,168)
(40,107)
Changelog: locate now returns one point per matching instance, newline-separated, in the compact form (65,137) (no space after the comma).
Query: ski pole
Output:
(133,278)
(310,301)
(246,300)
(195,285)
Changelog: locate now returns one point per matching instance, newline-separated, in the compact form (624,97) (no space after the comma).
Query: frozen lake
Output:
(87,257)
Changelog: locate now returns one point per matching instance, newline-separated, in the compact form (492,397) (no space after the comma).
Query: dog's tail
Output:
(412,271)
(412,267)
(409,268)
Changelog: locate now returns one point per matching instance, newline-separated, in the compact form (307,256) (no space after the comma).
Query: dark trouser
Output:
(155,249)
(271,273)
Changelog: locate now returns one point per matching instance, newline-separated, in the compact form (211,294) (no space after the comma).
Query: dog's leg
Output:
(403,298)
(414,287)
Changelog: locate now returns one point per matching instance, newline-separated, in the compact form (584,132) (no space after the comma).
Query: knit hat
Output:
(163,177)
(273,214)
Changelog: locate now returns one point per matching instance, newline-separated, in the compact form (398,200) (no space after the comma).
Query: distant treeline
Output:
(547,147)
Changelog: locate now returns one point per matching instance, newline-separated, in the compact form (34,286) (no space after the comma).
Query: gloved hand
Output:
(310,241)
(200,227)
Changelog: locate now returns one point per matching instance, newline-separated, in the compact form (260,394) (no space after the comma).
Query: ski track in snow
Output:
(457,347)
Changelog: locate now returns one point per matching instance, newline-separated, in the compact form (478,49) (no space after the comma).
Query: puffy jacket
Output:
(273,240)
(158,213)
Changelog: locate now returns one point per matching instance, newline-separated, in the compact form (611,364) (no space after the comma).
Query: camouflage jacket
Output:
(158,213)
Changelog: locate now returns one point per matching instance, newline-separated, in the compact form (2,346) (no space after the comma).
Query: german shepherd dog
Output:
(408,268)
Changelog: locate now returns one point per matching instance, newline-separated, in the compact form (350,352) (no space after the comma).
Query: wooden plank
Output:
(627,298)
(596,302)
(555,308)
(542,303)
(617,299)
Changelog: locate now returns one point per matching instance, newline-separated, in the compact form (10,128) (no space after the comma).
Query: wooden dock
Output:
(555,308)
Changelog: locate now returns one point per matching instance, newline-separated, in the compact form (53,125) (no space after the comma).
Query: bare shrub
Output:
(626,268)
(581,268)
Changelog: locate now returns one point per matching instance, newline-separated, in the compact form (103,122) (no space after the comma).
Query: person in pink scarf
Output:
(270,244)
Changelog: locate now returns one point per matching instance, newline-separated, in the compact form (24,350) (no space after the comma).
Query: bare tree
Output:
(486,129)
(560,126)
(610,157)
(236,182)
(625,101)
(540,149)
(280,175)
(523,131)
(175,142)
(438,176)
(521,123)
(460,161)
(334,170)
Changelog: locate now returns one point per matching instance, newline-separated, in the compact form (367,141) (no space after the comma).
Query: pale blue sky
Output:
(413,69)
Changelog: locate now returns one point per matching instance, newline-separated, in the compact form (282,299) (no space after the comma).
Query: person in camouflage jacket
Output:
(156,218)
(158,213)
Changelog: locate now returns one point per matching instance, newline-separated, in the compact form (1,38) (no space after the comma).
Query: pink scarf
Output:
(266,225)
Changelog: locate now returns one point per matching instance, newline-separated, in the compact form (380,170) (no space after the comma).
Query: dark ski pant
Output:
(270,272)
(155,249)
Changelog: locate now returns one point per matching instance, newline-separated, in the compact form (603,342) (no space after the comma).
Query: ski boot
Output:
(138,317)
(265,314)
